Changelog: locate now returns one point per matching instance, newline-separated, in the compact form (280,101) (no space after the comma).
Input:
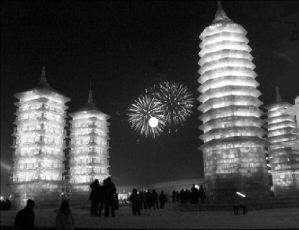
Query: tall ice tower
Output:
(39,145)
(233,149)
(89,147)
(283,153)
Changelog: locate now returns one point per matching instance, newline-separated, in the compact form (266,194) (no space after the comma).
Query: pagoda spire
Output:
(90,99)
(43,78)
(278,97)
(220,14)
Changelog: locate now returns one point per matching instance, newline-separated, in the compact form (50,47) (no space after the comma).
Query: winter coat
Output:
(25,219)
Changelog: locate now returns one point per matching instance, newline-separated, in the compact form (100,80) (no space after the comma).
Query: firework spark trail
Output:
(177,102)
(141,111)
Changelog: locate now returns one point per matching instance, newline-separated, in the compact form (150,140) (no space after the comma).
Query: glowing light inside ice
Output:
(231,123)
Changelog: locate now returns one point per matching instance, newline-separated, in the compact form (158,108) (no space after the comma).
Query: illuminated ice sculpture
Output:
(39,144)
(233,149)
(89,147)
(283,148)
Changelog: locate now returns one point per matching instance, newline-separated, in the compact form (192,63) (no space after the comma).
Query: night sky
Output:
(123,47)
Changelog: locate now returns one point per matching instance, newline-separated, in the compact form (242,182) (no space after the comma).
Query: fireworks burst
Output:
(176,100)
(142,110)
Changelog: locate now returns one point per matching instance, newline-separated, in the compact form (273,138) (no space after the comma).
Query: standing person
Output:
(144,194)
(64,219)
(25,217)
(202,194)
(148,200)
(109,191)
(135,201)
(194,194)
(173,195)
(162,199)
(101,198)
(155,199)
(187,196)
(177,196)
(115,201)
(94,198)
(140,196)
(182,196)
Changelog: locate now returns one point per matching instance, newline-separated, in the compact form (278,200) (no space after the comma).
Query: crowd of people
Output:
(191,196)
(5,204)
(146,200)
(103,196)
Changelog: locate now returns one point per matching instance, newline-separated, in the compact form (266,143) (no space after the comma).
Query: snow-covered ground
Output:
(172,217)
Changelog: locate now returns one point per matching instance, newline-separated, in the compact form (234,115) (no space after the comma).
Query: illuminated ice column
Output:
(283,148)
(38,143)
(233,149)
(294,110)
(89,147)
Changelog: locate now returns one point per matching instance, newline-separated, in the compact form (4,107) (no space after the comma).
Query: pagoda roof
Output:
(42,86)
(279,102)
(90,106)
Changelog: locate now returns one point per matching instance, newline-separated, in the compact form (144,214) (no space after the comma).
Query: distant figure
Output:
(202,194)
(182,196)
(25,217)
(177,196)
(141,199)
(194,194)
(187,195)
(173,196)
(94,197)
(101,199)
(5,205)
(162,199)
(64,219)
(135,201)
(115,201)
(144,200)
(155,199)
(148,200)
(109,191)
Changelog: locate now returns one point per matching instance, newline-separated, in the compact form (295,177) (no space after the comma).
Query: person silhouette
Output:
(202,194)
(173,195)
(109,191)
(162,199)
(155,199)
(135,201)
(194,194)
(94,197)
(101,198)
(25,217)
(64,219)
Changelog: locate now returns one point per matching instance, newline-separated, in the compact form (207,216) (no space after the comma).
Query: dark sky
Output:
(125,47)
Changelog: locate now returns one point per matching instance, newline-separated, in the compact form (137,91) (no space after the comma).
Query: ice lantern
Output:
(39,144)
(89,147)
(283,151)
(233,149)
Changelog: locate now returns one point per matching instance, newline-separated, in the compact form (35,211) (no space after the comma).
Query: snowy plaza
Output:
(215,136)
(173,217)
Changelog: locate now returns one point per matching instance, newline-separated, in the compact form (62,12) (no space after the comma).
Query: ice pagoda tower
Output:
(284,157)
(88,147)
(39,145)
(233,149)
